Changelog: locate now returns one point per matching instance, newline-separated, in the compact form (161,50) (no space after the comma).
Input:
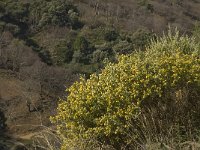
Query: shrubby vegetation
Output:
(25,19)
(84,47)
(2,121)
(196,31)
(57,13)
(148,95)
(92,46)
(40,13)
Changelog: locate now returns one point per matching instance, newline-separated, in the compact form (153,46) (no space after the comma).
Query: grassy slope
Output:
(130,15)
(14,94)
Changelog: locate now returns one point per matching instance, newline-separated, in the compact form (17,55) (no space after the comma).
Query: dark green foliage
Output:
(196,31)
(103,52)
(40,13)
(146,5)
(14,29)
(2,9)
(37,9)
(111,35)
(141,38)
(45,56)
(54,12)
(63,53)
(123,47)
(74,19)
(143,2)
(13,15)
(150,8)
(98,56)
(81,44)
(2,26)
(13,10)
(2,121)
(82,50)
(90,47)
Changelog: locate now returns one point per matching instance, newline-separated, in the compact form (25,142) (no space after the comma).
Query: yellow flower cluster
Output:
(104,104)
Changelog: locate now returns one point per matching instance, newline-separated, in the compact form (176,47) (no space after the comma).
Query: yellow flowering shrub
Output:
(104,105)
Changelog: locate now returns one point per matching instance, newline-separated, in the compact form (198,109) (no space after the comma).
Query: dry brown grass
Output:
(129,15)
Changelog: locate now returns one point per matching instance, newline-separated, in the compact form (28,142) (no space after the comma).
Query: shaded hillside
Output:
(29,88)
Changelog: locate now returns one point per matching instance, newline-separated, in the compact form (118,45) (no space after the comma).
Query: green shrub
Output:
(2,8)
(14,29)
(107,107)
(54,12)
(45,56)
(63,53)
(14,10)
(2,121)
(141,38)
(2,26)
(111,35)
(13,15)
(82,50)
(123,47)
(98,56)
(196,31)
(143,2)
(74,19)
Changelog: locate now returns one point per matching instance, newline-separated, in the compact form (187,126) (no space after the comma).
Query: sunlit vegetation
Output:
(143,96)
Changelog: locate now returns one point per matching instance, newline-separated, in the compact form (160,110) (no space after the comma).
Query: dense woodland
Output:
(47,45)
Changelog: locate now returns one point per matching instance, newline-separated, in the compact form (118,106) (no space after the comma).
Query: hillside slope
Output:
(155,15)
(41,54)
